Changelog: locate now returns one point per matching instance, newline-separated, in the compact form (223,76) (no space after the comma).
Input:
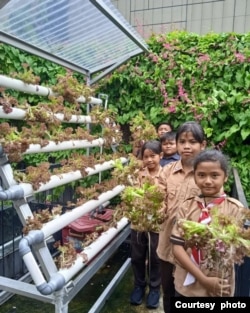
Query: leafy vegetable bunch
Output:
(141,130)
(223,242)
(127,174)
(142,204)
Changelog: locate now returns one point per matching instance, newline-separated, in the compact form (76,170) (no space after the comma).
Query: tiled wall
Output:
(199,16)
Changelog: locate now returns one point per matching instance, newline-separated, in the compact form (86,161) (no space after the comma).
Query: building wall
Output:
(199,16)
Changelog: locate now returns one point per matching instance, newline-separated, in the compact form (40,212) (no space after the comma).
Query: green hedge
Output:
(186,76)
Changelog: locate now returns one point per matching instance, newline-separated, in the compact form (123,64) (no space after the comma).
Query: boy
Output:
(169,149)
(163,128)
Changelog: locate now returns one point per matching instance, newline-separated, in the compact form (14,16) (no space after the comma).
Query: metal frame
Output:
(15,42)
(51,285)
(62,298)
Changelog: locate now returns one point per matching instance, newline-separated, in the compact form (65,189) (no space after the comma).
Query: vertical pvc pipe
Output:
(33,269)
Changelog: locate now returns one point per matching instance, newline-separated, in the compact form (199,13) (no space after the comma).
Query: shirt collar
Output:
(178,167)
(174,157)
(146,172)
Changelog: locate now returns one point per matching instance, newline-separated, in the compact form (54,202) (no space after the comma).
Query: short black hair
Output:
(192,127)
(153,145)
(164,123)
(212,155)
(168,136)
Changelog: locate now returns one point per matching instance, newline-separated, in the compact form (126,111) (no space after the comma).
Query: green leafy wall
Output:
(186,76)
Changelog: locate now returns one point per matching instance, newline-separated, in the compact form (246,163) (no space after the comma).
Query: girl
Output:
(191,277)
(144,244)
(178,180)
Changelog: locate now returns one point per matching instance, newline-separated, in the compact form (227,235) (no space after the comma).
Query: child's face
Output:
(188,147)
(169,147)
(150,159)
(163,129)
(209,177)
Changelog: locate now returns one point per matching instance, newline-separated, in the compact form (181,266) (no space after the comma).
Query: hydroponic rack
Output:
(50,284)
(90,37)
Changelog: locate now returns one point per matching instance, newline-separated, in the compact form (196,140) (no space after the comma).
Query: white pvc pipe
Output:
(74,118)
(68,217)
(65,178)
(7,174)
(19,114)
(19,85)
(64,145)
(104,239)
(33,269)
(93,249)
(61,277)
(103,167)
(16,114)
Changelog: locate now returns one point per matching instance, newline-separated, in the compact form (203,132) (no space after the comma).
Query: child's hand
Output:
(217,286)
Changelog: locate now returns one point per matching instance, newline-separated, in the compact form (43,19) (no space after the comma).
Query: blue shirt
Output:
(168,159)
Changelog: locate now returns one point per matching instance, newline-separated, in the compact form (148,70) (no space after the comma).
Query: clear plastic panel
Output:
(73,30)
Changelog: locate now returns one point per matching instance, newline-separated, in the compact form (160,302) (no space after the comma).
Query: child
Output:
(178,180)
(169,149)
(144,244)
(191,280)
(163,128)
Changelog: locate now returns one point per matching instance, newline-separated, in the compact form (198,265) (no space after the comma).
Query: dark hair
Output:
(212,155)
(153,145)
(168,136)
(164,123)
(192,127)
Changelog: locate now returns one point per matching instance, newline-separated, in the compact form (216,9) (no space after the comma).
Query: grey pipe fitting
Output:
(56,282)
(34,236)
(13,193)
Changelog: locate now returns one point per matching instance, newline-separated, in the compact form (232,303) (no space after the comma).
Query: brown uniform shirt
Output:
(145,173)
(191,211)
(179,186)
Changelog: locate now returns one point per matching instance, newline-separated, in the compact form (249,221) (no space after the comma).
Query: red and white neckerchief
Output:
(205,218)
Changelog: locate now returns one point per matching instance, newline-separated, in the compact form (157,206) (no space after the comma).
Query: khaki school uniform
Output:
(191,211)
(179,186)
